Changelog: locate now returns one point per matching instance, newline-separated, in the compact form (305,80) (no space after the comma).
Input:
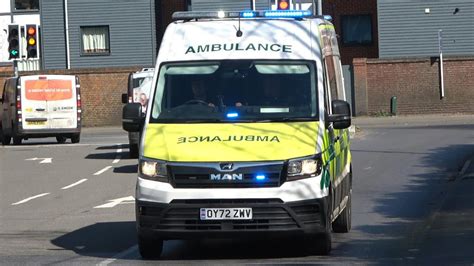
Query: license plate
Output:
(36,123)
(226,213)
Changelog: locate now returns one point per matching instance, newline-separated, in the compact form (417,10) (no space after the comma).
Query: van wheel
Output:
(6,139)
(75,138)
(133,151)
(17,140)
(343,222)
(61,139)
(150,248)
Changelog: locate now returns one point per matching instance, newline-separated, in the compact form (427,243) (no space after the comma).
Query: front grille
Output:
(268,214)
(244,176)
(203,181)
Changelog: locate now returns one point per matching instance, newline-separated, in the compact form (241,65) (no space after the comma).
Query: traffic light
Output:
(283,4)
(32,41)
(13,41)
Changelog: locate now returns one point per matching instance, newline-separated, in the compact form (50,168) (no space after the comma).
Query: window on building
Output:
(95,40)
(356,30)
(24,5)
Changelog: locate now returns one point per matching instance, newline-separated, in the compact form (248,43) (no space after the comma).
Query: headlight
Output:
(304,168)
(153,170)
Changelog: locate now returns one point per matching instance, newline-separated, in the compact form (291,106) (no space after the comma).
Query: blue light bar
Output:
(248,14)
(287,13)
(260,177)
(232,115)
(191,15)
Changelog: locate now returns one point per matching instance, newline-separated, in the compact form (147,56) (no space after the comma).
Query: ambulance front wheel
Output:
(150,247)
(343,222)
(321,243)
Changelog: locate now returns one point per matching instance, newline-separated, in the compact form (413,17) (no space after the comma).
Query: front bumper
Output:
(180,219)
(42,133)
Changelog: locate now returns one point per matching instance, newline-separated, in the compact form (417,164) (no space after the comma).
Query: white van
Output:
(138,91)
(246,133)
(41,106)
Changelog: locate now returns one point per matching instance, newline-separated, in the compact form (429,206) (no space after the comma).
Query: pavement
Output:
(453,222)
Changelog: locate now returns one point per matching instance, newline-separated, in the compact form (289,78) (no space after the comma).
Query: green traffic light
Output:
(14,52)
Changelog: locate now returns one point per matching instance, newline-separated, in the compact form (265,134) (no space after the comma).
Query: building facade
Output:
(410,28)
(89,33)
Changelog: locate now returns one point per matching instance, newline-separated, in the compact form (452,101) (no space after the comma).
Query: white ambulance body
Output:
(226,166)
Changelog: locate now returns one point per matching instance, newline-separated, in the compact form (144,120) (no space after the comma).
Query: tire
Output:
(150,248)
(321,244)
(76,138)
(60,139)
(6,139)
(343,222)
(133,151)
(17,140)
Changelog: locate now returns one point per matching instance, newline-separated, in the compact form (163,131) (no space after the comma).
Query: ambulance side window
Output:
(334,77)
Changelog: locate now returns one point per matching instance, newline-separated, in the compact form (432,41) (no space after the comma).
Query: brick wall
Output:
(416,84)
(338,8)
(101,91)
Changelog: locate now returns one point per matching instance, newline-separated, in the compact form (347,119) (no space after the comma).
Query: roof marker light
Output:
(232,115)
(221,14)
(328,17)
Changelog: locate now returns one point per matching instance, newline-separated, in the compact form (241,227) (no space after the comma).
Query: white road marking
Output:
(75,184)
(119,152)
(30,198)
(43,160)
(55,145)
(120,255)
(103,170)
(115,202)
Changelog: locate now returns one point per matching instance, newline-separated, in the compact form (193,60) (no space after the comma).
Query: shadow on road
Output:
(400,215)
(104,240)
(112,147)
(126,169)
(100,239)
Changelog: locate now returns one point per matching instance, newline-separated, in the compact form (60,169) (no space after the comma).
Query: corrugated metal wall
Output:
(235,5)
(131,29)
(53,40)
(405,30)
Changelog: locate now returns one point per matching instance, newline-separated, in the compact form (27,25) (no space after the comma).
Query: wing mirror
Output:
(341,114)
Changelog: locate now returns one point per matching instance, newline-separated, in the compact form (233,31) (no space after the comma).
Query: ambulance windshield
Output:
(232,90)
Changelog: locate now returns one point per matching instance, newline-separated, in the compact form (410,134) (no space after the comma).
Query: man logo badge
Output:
(229,177)
(226,166)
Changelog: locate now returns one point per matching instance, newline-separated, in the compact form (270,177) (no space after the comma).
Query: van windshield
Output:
(231,91)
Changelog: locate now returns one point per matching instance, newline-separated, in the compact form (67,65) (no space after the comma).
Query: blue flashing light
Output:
(232,115)
(287,13)
(260,177)
(328,17)
(248,14)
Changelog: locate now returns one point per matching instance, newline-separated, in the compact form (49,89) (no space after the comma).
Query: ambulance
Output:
(41,106)
(246,134)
